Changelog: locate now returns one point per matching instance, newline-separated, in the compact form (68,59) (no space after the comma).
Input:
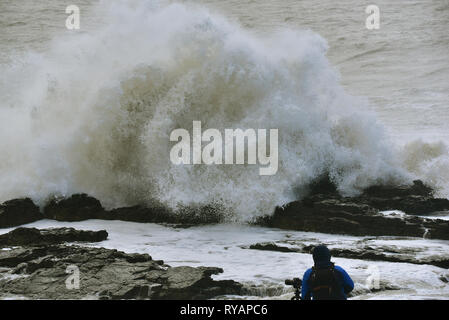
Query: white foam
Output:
(93,114)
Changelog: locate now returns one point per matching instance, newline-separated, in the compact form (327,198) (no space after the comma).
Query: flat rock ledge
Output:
(45,270)
(388,254)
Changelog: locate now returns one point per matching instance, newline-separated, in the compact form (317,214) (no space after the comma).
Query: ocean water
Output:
(91,110)
(263,272)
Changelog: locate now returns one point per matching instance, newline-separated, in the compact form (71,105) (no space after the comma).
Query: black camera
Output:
(295,282)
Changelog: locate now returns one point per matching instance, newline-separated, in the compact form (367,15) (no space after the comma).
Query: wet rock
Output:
(12,258)
(414,199)
(33,236)
(417,199)
(376,254)
(323,186)
(17,212)
(361,253)
(272,247)
(436,229)
(41,272)
(33,265)
(418,188)
(323,196)
(328,212)
(191,283)
(417,205)
(139,214)
(331,216)
(186,216)
(78,207)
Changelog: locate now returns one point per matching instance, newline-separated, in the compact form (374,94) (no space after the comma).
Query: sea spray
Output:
(94,113)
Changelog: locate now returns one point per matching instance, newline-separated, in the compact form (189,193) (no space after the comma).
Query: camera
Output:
(295,282)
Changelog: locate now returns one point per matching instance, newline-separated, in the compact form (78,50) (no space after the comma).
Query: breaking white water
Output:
(264,272)
(91,110)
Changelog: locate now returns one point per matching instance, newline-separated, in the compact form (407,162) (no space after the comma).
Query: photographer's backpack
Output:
(325,284)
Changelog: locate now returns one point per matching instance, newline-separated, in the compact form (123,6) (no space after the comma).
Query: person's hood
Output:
(321,256)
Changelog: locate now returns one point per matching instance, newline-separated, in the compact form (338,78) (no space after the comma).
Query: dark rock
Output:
(33,236)
(139,214)
(323,186)
(361,253)
(186,216)
(417,205)
(436,229)
(104,274)
(375,254)
(17,212)
(76,208)
(417,189)
(323,210)
(191,283)
(32,265)
(12,258)
(341,216)
(415,199)
(272,247)
(137,257)
(82,207)
(200,214)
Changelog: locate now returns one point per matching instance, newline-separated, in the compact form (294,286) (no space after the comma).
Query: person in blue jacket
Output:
(325,281)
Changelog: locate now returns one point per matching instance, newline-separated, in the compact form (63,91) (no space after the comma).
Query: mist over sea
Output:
(91,110)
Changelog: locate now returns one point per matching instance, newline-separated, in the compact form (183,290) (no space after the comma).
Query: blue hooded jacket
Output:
(322,259)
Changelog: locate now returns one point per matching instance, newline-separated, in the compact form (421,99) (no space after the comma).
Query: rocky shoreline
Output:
(79,207)
(34,264)
(323,210)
